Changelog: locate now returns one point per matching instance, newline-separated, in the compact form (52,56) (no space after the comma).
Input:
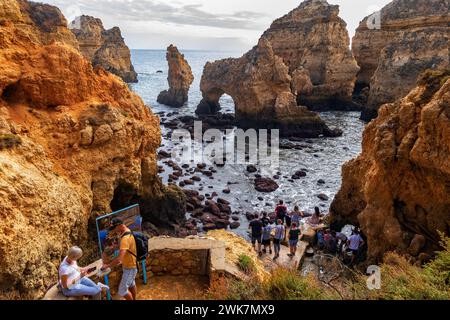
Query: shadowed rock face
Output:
(74,143)
(260,84)
(313,37)
(413,37)
(180,79)
(398,189)
(104,48)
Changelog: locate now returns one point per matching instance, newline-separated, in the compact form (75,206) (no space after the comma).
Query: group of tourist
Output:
(72,278)
(287,226)
(334,242)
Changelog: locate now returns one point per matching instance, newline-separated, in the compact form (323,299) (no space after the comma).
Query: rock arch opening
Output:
(227,104)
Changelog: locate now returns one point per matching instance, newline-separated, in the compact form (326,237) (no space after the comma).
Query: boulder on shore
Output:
(266,185)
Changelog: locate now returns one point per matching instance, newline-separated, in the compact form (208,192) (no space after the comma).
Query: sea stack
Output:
(397,44)
(180,79)
(313,41)
(104,48)
(75,143)
(260,85)
(398,189)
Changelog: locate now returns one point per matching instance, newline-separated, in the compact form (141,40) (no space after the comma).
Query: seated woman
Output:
(314,220)
(72,278)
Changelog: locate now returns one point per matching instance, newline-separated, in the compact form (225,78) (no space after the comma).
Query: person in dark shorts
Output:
(294,235)
(279,235)
(256,227)
(266,235)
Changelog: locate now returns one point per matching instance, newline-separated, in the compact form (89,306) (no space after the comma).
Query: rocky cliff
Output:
(104,48)
(392,49)
(260,85)
(398,189)
(75,142)
(180,79)
(313,37)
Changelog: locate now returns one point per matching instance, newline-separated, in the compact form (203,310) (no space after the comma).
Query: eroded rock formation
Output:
(104,48)
(313,37)
(398,189)
(260,85)
(180,79)
(393,48)
(75,142)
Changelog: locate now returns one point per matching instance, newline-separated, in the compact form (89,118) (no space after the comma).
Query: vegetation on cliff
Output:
(400,280)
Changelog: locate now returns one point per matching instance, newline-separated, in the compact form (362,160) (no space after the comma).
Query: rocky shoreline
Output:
(76,142)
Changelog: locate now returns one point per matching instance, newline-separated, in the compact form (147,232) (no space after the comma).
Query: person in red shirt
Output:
(281,211)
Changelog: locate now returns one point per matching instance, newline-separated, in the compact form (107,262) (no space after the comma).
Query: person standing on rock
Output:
(296,215)
(278,238)
(265,219)
(342,240)
(354,243)
(126,257)
(294,236)
(281,211)
(266,235)
(256,227)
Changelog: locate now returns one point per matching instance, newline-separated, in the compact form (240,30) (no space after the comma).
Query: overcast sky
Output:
(226,25)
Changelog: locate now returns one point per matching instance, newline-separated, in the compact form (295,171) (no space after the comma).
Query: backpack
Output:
(281,212)
(141,245)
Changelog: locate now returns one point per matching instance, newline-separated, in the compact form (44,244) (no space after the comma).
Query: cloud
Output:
(156,11)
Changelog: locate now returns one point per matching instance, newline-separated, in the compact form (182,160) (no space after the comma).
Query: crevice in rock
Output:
(11,94)
(125,195)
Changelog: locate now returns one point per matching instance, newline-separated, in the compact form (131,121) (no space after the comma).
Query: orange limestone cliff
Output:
(394,46)
(260,85)
(312,39)
(75,142)
(104,48)
(398,189)
(180,79)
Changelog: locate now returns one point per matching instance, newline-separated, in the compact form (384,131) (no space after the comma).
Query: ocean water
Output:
(321,159)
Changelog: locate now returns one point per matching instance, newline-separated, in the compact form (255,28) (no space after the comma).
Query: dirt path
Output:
(172,288)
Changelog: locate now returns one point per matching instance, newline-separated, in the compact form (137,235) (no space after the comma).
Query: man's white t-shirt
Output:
(72,271)
(355,241)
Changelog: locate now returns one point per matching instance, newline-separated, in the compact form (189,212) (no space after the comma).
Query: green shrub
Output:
(438,270)
(400,280)
(246,264)
(290,285)
(9,141)
(283,284)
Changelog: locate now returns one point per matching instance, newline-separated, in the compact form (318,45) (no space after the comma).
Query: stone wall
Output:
(189,256)
(178,262)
